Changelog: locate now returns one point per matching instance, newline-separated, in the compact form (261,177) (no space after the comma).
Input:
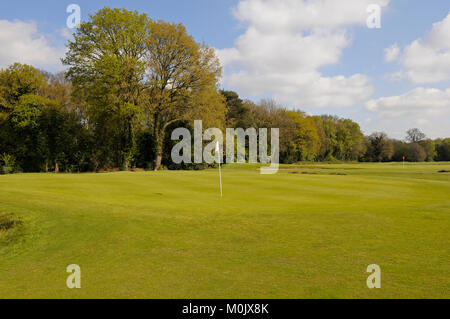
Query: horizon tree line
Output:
(131,80)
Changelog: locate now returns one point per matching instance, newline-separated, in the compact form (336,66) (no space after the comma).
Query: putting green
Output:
(309,231)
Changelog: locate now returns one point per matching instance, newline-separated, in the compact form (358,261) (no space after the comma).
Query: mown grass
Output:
(169,235)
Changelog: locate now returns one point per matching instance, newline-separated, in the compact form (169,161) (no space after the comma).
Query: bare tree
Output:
(415,135)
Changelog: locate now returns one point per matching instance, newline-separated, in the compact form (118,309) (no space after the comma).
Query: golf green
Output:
(309,231)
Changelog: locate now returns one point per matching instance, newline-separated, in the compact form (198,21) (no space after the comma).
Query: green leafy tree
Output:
(26,141)
(415,153)
(106,67)
(327,133)
(305,144)
(443,150)
(349,140)
(178,70)
(18,80)
(238,113)
(429,147)
(379,148)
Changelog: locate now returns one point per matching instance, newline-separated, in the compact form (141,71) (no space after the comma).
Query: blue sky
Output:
(208,20)
(354,80)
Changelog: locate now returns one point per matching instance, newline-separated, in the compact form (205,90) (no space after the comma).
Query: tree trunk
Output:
(158,150)
(56,168)
(158,159)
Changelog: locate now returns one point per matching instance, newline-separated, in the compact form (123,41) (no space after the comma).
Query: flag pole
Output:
(220,172)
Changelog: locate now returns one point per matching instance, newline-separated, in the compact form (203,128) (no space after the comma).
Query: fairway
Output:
(309,231)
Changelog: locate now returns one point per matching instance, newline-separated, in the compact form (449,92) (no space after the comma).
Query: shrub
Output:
(9,163)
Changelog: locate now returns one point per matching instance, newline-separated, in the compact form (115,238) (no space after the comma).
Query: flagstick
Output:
(220,179)
(220,172)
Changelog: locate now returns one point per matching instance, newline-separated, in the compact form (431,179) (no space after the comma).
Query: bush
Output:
(8,163)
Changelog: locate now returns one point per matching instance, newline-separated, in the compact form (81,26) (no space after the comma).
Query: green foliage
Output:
(131,80)
(413,152)
(19,80)
(416,153)
(26,113)
(182,76)
(443,150)
(8,163)
(238,113)
(42,136)
(137,74)
(429,148)
(106,67)
(306,144)
(105,58)
(379,148)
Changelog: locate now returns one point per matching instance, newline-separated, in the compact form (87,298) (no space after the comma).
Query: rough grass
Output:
(7,222)
(169,235)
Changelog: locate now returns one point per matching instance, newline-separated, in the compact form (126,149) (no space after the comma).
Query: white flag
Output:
(220,172)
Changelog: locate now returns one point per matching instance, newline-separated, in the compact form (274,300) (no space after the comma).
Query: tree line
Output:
(131,80)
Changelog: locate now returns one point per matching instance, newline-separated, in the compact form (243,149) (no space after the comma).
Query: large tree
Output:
(179,71)
(131,69)
(379,147)
(443,149)
(415,135)
(350,140)
(106,67)
(18,80)
(305,143)
(238,112)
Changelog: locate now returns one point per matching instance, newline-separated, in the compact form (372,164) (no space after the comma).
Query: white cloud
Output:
(391,53)
(427,60)
(297,15)
(21,42)
(285,44)
(420,101)
(427,108)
